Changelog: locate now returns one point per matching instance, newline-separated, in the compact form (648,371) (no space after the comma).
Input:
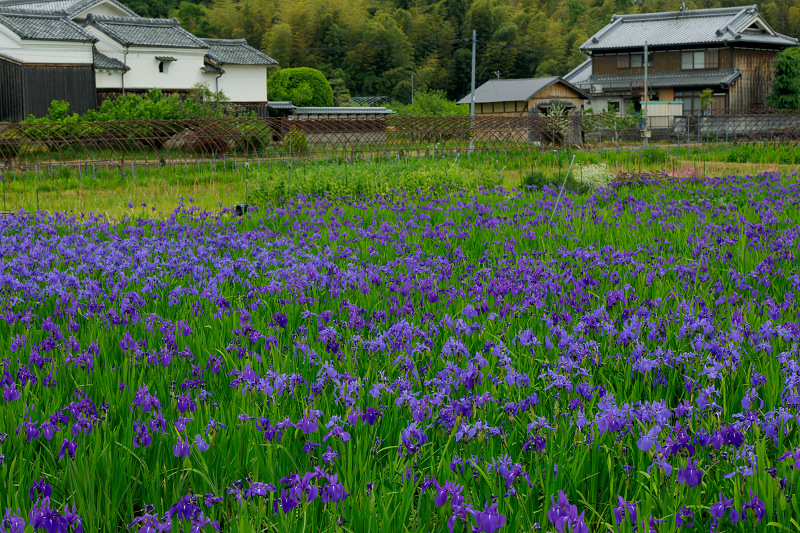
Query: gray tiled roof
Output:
(697,26)
(69,8)
(236,52)
(580,73)
(140,31)
(340,110)
(279,104)
(656,80)
(103,62)
(512,90)
(210,69)
(45,28)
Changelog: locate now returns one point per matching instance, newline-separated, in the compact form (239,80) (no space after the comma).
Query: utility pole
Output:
(412,88)
(472,98)
(646,126)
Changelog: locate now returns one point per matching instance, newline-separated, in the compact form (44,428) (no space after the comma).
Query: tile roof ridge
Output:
(133,21)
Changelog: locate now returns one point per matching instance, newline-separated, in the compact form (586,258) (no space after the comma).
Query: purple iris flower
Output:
(182,448)
(756,505)
(646,441)
(446,491)
(724,504)
(684,518)
(564,514)
(12,523)
(307,425)
(200,444)
(43,489)
(691,474)
(795,455)
(68,447)
(489,520)
(149,523)
(184,509)
(624,508)
(41,516)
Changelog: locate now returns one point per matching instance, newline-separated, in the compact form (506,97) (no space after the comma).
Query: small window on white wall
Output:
(163,66)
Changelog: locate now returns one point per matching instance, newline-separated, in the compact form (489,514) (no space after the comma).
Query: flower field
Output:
(623,360)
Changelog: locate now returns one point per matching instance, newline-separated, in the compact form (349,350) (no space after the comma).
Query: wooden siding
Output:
(666,95)
(755,84)
(663,61)
(30,89)
(557,91)
(11,91)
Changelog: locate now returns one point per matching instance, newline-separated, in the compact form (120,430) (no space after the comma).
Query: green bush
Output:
(303,86)
(536,178)
(430,104)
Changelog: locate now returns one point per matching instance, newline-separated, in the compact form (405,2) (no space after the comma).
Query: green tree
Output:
(193,18)
(279,43)
(786,87)
(303,86)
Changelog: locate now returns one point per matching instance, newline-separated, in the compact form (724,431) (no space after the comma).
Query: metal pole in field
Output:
(472,98)
(646,126)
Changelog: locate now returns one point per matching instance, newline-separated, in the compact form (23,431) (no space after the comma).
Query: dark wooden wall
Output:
(29,89)
(11,91)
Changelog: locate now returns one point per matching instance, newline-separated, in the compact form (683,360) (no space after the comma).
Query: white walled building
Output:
(241,70)
(84,51)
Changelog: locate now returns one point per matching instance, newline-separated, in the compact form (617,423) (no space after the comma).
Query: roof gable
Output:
(687,27)
(69,8)
(514,90)
(235,52)
(45,28)
(138,31)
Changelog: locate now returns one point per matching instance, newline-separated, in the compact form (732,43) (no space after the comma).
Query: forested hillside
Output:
(371,47)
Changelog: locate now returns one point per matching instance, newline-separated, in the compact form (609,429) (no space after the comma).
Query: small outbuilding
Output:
(531,96)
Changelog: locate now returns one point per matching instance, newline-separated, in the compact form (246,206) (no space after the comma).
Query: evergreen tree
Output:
(786,87)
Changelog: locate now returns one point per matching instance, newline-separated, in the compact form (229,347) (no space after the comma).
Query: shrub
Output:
(536,178)
(302,86)
(430,104)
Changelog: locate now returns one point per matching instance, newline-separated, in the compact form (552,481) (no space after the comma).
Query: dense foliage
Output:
(430,103)
(306,87)
(374,46)
(786,87)
(201,103)
(467,361)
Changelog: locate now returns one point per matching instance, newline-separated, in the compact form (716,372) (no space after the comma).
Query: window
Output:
(162,66)
(623,61)
(695,59)
(613,107)
(637,60)
(691,101)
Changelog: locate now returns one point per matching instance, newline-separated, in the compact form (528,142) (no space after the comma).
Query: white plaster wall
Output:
(180,74)
(10,45)
(243,83)
(108,79)
(54,53)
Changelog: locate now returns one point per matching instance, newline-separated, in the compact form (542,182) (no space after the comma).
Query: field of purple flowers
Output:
(409,363)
